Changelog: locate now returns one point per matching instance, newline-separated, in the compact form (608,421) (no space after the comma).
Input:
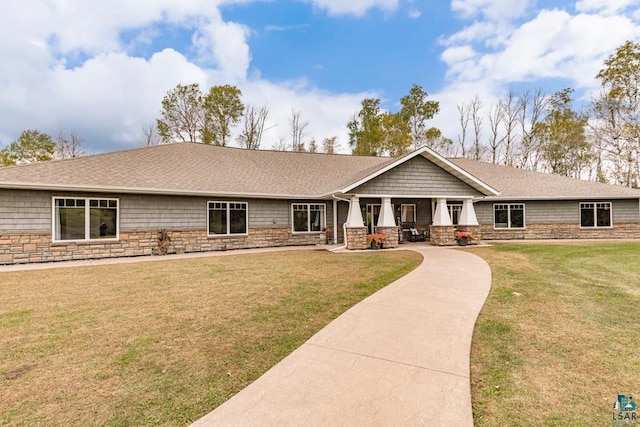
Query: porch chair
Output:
(416,236)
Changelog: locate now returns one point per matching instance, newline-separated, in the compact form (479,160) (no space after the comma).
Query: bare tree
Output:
(476,120)
(69,147)
(511,112)
(496,117)
(464,113)
(149,136)
(253,127)
(281,145)
(297,126)
(533,106)
(330,145)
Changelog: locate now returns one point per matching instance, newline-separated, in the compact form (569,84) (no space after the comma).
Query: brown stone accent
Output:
(562,231)
(26,248)
(392,236)
(356,237)
(442,235)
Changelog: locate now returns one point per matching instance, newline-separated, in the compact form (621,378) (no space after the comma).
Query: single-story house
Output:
(188,197)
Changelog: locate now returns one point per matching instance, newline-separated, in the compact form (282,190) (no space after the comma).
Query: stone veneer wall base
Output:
(29,248)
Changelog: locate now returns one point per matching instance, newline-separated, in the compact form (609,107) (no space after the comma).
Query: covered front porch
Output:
(401,219)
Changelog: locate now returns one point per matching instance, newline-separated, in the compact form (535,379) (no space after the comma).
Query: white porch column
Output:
(354,219)
(386,218)
(468,214)
(441,216)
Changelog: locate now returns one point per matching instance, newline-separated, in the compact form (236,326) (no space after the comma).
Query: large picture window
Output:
(85,219)
(595,215)
(308,217)
(509,215)
(226,218)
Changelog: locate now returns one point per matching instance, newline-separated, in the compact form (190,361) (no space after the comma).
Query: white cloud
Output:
(493,10)
(71,70)
(415,14)
(605,6)
(355,7)
(554,44)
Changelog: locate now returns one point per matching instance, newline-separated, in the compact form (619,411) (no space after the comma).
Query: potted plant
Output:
(464,237)
(375,240)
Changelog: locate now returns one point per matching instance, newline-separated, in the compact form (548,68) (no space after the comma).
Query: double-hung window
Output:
(308,217)
(227,218)
(85,219)
(595,215)
(508,215)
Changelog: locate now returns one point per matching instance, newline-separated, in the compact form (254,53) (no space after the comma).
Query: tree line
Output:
(530,130)
(533,130)
(33,146)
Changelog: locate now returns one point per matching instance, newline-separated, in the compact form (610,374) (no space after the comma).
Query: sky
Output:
(100,69)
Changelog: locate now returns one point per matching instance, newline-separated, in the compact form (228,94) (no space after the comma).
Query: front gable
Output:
(417,176)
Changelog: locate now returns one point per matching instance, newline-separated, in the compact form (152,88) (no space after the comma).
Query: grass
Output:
(559,335)
(165,342)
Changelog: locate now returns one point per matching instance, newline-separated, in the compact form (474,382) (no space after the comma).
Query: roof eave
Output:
(576,197)
(152,191)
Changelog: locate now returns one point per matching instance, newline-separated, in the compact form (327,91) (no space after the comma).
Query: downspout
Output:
(344,226)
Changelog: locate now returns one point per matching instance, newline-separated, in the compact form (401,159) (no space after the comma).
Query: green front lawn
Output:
(559,335)
(165,342)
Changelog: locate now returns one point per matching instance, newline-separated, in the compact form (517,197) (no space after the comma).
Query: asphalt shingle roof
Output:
(514,183)
(189,168)
(197,168)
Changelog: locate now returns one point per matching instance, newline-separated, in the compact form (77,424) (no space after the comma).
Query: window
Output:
(595,214)
(308,217)
(85,219)
(455,209)
(508,215)
(227,218)
(408,214)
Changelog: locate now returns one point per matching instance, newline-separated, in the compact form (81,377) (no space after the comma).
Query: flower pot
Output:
(463,241)
(374,245)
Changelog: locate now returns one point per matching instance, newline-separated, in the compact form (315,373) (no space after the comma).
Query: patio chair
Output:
(416,236)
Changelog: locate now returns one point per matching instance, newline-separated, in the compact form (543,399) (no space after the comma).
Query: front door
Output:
(373,212)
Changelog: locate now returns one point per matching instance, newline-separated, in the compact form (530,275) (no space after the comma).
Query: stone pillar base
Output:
(356,238)
(442,235)
(392,236)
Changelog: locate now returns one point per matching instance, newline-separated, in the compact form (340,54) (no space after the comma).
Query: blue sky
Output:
(102,68)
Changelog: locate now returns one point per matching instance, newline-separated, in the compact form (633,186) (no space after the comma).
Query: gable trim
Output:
(439,161)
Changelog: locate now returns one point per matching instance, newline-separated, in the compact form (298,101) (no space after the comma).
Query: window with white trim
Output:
(85,218)
(455,209)
(595,215)
(408,214)
(308,217)
(508,215)
(227,218)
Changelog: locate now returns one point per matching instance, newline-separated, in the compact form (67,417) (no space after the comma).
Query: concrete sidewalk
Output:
(400,357)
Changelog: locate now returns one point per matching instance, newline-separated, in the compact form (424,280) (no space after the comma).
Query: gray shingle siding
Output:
(22,210)
(560,212)
(417,176)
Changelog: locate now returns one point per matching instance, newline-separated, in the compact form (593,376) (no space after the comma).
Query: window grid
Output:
(308,217)
(85,219)
(596,215)
(227,218)
(508,216)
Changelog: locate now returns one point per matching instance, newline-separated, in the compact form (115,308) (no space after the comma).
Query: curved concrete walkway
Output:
(400,357)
